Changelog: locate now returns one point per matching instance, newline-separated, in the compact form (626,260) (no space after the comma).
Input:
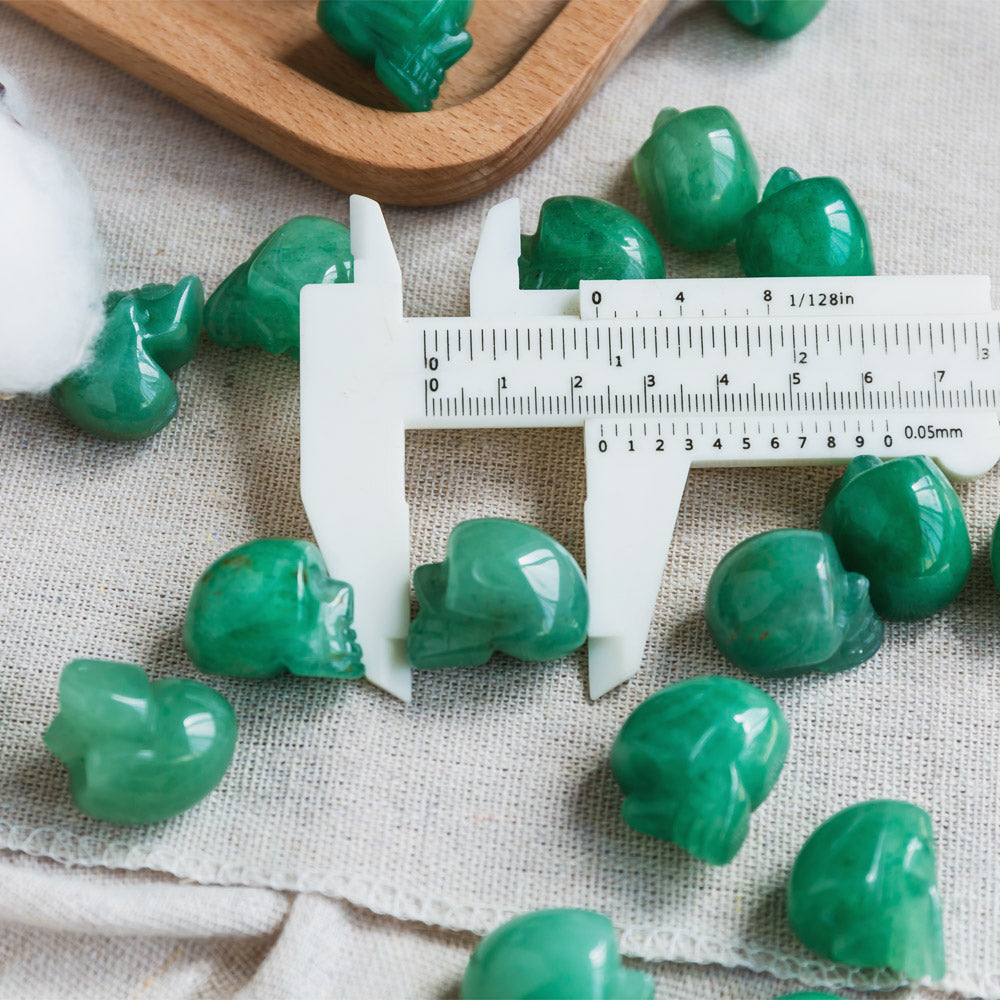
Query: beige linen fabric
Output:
(93,934)
(490,793)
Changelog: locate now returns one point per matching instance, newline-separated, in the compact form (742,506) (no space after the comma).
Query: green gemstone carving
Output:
(586,238)
(139,752)
(900,523)
(503,587)
(863,890)
(258,304)
(780,603)
(698,177)
(124,391)
(268,608)
(696,759)
(556,955)
(995,553)
(773,18)
(411,43)
(804,228)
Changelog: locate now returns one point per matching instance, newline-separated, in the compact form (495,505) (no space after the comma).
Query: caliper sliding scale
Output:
(662,374)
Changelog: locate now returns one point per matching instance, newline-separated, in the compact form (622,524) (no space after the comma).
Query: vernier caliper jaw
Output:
(662,375)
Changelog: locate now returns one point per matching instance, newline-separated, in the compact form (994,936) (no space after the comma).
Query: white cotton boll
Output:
(51,265)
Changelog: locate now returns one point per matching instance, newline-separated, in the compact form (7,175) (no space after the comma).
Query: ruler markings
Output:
(705,395)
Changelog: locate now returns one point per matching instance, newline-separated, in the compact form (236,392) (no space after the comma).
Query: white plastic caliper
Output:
(662,374)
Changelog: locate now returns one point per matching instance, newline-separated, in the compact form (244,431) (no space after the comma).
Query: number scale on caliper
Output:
(591,369)
(662,375)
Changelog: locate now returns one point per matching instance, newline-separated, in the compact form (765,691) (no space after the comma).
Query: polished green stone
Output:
(553,955)
(258,304)
(900,523)
(503,587)
(139,752)
(268,608)
(804,228)
(124,391)
(580,238)
(995,553)
(780,603)
(696,759)
(773,18)
(698,177)
(411,43)
(863,890)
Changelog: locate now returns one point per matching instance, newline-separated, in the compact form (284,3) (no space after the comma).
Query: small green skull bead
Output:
(268,608)
(863,890)
(411,43)
(804,228)
(773,19)
(696,759)
(503,587)
(586,238)
(124,391)
(698,177)
(139,752)
(555,954)
(780,603)
(258,303)
(900,523)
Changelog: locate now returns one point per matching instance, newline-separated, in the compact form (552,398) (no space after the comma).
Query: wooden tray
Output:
(265,70)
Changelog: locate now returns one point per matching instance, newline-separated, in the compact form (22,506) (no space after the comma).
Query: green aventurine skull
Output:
(780,603)
(124,391)
(863,890)
(555,954)
(411,43)
(696,759)
(698,176)
(804,228)
(139,752)
(258,303)
(773,18)
(586,238)
(269,607)
(503,587)
(900,523)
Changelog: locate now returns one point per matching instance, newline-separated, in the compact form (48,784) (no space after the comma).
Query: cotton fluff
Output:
(51,266)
